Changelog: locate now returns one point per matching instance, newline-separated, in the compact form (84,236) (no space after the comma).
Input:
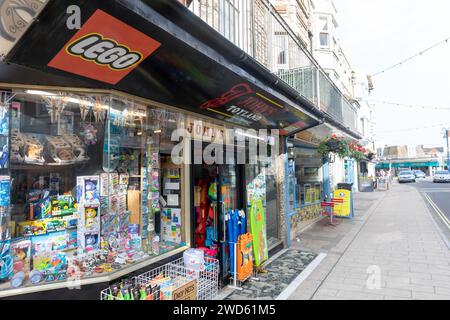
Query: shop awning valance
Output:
(132,47)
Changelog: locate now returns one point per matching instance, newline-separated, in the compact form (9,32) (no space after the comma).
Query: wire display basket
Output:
(175,273)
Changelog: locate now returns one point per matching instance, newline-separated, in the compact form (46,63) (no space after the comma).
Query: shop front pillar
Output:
(282,166)
(326,178)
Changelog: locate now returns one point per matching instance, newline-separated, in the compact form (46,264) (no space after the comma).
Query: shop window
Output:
(229,17)
(309,178)
(89,187)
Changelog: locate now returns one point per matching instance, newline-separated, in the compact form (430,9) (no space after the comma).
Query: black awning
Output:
(129,46)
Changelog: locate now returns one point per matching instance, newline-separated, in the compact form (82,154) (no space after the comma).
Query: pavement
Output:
(392,249)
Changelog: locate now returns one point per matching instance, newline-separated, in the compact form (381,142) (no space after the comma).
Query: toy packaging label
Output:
(21,252)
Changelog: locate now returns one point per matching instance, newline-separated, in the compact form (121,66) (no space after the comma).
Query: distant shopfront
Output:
(426,166)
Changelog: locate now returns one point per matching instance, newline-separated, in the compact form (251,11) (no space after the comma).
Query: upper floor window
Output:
(323,23)
(281,48)
(324,40)
(229,19)
(324,36)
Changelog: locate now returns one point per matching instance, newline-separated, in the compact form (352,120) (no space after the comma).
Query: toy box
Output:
(88,190)
(17,146)
(59,150)
(53,265)
(5,226)
(21,252)
(6,261)
(88,196)
(63,205)
(31,228)
(4,191)
(4,153)
(91,218)
(4,120)
(34,150)
(78,147)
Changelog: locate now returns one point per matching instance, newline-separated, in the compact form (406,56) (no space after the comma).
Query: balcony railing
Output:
(257,28)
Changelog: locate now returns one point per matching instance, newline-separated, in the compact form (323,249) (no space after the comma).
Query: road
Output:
(437,197)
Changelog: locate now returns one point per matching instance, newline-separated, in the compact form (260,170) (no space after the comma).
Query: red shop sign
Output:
(105,49)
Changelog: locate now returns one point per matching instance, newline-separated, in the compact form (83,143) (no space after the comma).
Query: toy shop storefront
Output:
(88,186)
(93,192)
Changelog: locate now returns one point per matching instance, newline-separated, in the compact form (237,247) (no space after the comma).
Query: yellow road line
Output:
(216,111)
(438,211)
(271,101)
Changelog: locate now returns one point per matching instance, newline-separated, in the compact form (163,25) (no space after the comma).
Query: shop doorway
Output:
(217,189)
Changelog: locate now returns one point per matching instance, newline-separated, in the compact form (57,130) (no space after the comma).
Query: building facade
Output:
(90,182)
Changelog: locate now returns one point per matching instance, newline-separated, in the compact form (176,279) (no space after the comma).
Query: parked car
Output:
(420,174)
(441,176)
(406,176)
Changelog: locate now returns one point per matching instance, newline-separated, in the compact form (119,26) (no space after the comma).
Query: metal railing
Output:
(259,30)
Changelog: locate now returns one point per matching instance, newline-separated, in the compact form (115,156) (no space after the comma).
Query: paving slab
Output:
(390,250)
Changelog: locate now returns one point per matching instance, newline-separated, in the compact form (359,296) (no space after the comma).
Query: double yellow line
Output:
(438,211)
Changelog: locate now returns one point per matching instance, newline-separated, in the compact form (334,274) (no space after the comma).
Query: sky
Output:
(378,34)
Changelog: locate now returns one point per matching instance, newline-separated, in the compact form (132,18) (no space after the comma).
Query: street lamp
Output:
(446,136)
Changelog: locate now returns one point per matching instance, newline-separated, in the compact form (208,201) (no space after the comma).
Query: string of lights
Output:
(416,128)
(412,57)
(409,105)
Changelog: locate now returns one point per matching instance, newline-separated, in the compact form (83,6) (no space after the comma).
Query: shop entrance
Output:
(217,189)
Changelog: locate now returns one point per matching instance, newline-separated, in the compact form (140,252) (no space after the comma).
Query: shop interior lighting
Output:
(249,135)
(41,93)
(157,131)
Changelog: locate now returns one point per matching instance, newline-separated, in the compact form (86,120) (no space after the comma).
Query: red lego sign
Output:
(105,49)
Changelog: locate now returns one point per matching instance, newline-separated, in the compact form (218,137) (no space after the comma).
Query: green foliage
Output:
(341,147)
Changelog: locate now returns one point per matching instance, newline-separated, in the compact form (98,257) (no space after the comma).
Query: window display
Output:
(308,176)
(85,188)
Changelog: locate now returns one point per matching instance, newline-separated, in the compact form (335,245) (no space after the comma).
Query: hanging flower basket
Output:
(338,145)
(356,151)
